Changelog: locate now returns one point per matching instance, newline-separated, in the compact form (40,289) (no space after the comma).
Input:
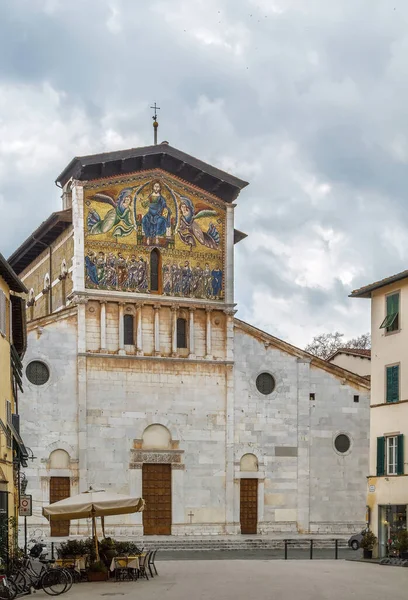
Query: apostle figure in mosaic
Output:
(142,275)
(157,219)
(121,266)
(186,279)
(133,271)
(111,277)
(207,281)
(100,267)
(167,280)
(118,218)
(197,282)
(190,231)
(216,282)
(177,279)
(90,266)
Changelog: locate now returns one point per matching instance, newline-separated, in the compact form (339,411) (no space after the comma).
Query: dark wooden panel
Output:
(157,495)
(249,505)
(59,490)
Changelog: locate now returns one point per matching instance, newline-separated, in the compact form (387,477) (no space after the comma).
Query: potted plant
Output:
(367,543)
(401,543)
(97,571)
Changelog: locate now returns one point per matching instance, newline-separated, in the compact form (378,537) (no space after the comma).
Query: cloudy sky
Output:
(305,99)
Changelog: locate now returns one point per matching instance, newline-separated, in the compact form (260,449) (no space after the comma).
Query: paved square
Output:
(255,580)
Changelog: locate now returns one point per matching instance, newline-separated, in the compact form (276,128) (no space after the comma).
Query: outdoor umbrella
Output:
(92,504)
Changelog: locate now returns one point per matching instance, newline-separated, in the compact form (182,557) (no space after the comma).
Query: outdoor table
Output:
(124,562)
(79,563)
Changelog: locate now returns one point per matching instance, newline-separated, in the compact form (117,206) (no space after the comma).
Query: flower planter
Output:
(97,576)
(367,553)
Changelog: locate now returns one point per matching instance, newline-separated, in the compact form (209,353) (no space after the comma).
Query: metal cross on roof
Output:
(155,108)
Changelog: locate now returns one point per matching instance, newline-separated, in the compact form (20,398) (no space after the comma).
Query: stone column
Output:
(121,329)
(78,272)
(139,330)
(103,325)
(191,334)
(174,313)
(303,440)
(229,254)
(208,350)
(82,395)
(157,329)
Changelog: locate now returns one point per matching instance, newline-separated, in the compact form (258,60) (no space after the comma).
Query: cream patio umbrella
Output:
(92,504)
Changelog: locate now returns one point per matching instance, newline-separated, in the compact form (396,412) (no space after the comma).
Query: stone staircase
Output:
(215,543)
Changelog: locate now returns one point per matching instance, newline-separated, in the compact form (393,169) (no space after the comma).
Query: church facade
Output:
(139,378)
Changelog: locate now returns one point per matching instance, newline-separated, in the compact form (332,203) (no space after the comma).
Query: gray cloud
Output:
(305,100)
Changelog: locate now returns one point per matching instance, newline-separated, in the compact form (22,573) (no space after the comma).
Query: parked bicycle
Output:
(8,590)
(30,574)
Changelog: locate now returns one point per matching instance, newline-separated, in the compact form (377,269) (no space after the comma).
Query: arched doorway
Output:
(249,495)
(60,488)
(156,483)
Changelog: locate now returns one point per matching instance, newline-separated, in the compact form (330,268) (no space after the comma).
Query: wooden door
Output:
(249,505)
(157,495)
(59,490)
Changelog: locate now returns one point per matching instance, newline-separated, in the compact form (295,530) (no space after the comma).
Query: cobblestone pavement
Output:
(260,579)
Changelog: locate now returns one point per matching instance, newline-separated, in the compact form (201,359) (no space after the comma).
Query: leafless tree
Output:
(325,344)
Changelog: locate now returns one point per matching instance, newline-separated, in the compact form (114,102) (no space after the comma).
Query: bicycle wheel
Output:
(21,581)
(70,578)
(54,582)
(8,590)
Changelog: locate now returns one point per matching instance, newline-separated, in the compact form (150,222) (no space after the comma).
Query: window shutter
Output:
(3,315)
(393,384)
(380,456)
(400,455)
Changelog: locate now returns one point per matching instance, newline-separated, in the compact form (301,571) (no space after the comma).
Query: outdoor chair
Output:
(124,573)
(144,564)
(152,560)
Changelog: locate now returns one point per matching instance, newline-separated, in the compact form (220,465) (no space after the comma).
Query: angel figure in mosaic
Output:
(190,231)
(118,218)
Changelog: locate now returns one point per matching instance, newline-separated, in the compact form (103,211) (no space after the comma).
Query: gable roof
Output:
(10,277)
(361,352)
(351,378)
(40,239)
(161,156)
(365,291)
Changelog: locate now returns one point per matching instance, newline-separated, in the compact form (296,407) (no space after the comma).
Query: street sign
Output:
(26,506)
(371,489)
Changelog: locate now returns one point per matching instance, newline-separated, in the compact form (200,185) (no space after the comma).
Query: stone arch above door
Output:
(156,446)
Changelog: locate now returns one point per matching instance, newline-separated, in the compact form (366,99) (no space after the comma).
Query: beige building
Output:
(388,481)
(13,453)
(355,360)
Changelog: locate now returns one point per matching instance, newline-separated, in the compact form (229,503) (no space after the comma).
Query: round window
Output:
(342,443)
(265,383)
(37,372)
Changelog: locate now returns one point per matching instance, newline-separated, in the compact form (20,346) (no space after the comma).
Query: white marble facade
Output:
(102,399)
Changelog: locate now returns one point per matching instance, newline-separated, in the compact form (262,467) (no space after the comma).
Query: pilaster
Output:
(78,273)
(103,325)
(139,329)
(208,336)
(121,328)
(156,328)
(303,427)
(174,314)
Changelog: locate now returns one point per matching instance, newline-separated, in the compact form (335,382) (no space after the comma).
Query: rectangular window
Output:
(181,333)
(391,446)
(392,383)
(390,455)
(356,398)
(391,321)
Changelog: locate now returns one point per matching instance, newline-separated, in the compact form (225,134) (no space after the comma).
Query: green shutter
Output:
(380,456)
(400,455)
(392,384)
(392,304)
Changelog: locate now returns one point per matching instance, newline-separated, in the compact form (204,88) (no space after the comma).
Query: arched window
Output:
(155,270)
(181,333)
(128,329)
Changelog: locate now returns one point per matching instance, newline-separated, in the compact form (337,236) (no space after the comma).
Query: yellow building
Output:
(388,476)
(13,453)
